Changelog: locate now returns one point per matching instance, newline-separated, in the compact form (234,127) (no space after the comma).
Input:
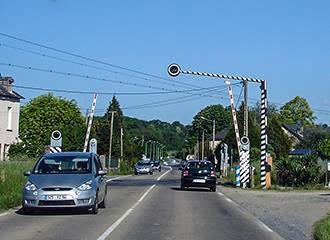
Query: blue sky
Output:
(285,42)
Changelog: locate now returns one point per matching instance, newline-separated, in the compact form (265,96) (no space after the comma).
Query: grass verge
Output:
(322,229)
(11,182)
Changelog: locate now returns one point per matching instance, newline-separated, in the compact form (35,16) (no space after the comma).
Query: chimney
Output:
(7,83)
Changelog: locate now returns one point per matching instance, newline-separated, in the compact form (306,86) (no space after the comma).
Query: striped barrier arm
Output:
(90,121)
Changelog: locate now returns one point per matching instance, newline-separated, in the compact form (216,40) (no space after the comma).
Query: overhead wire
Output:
(110,93)
(95,78)
(94,60)
(85,65)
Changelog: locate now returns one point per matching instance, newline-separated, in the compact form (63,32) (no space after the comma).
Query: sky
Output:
(284,42)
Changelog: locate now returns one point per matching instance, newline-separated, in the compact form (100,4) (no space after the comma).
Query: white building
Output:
(9,115)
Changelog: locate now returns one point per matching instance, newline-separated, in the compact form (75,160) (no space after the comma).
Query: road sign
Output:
(93,145)
(56,139)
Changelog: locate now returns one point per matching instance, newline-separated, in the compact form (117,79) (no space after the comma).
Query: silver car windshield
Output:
(63,164)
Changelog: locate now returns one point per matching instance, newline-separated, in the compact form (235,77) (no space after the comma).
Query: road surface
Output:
(143,207)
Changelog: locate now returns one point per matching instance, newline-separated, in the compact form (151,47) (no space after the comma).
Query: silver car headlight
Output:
(30,186)
(85,186)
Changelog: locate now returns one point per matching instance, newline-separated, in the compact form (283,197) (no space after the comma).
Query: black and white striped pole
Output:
(174,70)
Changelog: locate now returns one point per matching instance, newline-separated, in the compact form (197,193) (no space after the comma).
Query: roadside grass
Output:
(322,229)
(11,182)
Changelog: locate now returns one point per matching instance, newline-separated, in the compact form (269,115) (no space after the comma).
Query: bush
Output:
(12,181)
(322,229)
(298,171)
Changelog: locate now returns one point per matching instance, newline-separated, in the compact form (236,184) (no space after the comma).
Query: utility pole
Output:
(213,143)
(246,110)
(203,145)
(121,147)
(146,149)
(111,133)
(151,149)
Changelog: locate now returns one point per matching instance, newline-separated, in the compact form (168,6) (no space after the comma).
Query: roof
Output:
(69,154)
(294,129)
(221,135)
(5,93)
(301,152)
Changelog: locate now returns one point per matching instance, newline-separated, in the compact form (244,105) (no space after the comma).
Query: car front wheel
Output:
(103,204)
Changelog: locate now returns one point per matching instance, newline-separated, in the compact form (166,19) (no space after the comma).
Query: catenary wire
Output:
(93,77)
(94,60)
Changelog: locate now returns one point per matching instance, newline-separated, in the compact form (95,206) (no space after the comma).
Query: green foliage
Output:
(298,171)
(297,111)
(12,182)
(323,149)
(44,114)
(314,135)
(322,228)
(280,142)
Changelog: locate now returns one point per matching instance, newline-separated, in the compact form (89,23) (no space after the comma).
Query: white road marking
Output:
(160,177)
(111,179)
(262,225)
(122,218)
(229,200)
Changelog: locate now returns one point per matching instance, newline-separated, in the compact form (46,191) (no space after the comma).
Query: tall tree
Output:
(297,111)
(47,113)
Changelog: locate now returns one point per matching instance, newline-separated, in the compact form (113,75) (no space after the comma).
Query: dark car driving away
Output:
(199,174)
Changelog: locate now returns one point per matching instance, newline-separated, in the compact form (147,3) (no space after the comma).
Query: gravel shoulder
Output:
(290,214)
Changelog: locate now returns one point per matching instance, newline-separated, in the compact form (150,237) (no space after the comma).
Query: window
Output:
(10,118)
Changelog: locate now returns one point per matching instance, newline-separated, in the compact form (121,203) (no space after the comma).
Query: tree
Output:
(102,128)
(313,136)
(218,112)
(324,149)
(47,113)
(280,141)
(297,111)
(298,171)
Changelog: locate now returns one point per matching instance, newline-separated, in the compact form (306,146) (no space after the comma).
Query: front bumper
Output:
(188,181)
(143,170)
(49,199)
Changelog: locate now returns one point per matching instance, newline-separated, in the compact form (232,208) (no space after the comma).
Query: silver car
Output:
(143,167)
(66,180)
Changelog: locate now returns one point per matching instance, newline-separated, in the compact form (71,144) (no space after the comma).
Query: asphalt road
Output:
(143,207)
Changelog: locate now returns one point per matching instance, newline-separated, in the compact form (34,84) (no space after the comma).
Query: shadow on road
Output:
(190,189)
(55,212)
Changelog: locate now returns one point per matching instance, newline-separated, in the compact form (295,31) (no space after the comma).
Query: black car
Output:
(199,174)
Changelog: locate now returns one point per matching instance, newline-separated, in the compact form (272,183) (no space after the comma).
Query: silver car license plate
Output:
(56,197)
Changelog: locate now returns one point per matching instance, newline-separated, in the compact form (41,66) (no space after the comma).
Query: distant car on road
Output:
(143,167)
(198,174)
(66,180)
(156,166)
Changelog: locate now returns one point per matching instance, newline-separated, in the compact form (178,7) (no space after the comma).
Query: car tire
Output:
(136,173)
(103,204)
(95,208)
(213,189)
(151,173)
(182,187)
(160,170)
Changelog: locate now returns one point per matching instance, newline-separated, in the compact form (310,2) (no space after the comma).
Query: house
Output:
(219,137)
(9,115)
(294,131)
